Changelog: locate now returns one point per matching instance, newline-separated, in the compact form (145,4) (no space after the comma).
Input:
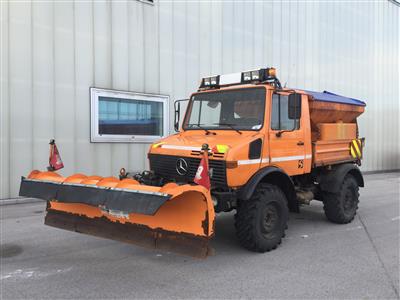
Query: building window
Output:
(118,116)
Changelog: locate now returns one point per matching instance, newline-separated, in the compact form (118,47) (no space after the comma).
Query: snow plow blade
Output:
(177,218)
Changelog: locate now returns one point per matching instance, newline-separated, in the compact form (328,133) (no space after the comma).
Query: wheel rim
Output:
(270,221)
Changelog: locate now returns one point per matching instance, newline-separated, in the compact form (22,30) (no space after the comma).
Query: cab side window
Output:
(280,119)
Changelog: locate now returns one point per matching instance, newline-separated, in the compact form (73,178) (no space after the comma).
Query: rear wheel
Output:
(341,207)
(261,221)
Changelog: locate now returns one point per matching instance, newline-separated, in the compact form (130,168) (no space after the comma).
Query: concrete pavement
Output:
(317,259)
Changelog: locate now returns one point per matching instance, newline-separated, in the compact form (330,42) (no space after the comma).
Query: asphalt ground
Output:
(316,260)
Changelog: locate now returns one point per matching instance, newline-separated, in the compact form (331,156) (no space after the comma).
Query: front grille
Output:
(165,166)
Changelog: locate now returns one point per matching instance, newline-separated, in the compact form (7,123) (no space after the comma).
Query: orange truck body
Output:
(261,166)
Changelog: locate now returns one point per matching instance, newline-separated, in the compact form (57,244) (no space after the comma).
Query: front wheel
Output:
(341,207)
(261,221)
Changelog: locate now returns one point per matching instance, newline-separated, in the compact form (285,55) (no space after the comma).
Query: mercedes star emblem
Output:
(181,166)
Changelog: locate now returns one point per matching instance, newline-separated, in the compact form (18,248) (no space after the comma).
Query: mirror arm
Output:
(177,113)
(280,132)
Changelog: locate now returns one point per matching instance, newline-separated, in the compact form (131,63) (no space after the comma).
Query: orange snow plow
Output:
(178,218)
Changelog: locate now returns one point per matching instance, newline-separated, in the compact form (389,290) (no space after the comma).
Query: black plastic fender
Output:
(276,177)
(331,180)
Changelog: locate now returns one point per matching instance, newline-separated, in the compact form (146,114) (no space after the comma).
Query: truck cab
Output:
(248,126)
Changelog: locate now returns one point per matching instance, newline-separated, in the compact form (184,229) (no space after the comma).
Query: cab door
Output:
(287,138)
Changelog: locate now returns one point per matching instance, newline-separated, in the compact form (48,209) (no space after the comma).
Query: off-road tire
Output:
(341,207)
(261,221)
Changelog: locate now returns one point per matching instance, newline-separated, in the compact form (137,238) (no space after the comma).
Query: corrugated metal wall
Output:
(51,53)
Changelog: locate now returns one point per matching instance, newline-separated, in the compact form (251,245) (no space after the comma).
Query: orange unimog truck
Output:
(270,149)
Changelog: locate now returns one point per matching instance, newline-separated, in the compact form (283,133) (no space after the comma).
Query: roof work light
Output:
(246,76)
(210,82)
(258,75)
(255,75)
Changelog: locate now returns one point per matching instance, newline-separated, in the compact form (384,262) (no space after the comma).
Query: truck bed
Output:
(334,126)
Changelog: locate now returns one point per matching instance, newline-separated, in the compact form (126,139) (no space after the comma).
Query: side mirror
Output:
(294,107)
(177,114)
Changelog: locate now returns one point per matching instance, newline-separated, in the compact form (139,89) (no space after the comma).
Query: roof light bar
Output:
(251,76)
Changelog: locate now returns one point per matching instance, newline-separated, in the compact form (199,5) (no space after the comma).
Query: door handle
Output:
(300,143)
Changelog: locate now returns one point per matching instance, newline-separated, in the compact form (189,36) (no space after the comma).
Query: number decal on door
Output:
(301,164)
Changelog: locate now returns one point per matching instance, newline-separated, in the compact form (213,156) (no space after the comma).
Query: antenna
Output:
(290,73)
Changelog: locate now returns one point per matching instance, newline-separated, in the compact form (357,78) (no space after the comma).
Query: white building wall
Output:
(52,52)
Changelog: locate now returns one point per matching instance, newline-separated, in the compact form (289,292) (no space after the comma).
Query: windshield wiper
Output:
(201,127)
(230,126)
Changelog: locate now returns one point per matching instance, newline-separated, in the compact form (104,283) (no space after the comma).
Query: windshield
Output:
(241,109)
